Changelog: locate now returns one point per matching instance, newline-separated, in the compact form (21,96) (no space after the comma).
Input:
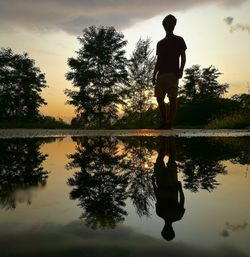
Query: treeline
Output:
(113,91)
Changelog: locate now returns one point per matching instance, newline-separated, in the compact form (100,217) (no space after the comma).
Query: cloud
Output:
(229,20)
(236,26)
(72,16)
(74,239)
(233,227)
(236,227)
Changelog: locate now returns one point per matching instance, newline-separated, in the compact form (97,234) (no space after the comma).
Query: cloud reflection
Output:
(74,239)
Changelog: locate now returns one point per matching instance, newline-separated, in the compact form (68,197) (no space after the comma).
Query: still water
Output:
(125,196)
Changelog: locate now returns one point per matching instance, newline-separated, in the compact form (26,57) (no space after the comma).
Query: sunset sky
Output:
(217,32)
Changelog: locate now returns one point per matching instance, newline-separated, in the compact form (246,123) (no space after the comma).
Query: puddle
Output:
(111,193)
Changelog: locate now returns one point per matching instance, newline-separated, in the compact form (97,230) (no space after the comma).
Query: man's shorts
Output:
(167,83)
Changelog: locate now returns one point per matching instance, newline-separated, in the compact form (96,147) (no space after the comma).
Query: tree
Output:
(244,100)
(99,70)
(21,83)
(141,66)
(201,84)
(201,97)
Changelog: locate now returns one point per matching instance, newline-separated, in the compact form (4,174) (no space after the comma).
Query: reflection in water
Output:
(110,170)
(200,159)
(99,186)
(20,170)
(139,170)
(108,173)
(168,190)
(107,177)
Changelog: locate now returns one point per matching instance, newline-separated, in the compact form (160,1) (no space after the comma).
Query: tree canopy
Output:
(21,83)
(201,84)
(99,72)
(140,68)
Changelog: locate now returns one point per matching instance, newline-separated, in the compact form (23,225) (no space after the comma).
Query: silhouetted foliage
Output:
(239,148)
(46,122)
(21,83)
(201,175)
(109,171)
(20,169)
(234,115)
(201,97)
(149,119)
(100,186)
(140,169)
(99,71)
(201,84)
(200,161)
(140,69)
(200,102)
(244,100)
(199,113)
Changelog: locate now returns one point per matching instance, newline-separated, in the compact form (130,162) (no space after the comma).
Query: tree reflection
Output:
(20,169)
(200,161)
(109,171)
(140,169)
(240,147)
(201,175)
(100,185)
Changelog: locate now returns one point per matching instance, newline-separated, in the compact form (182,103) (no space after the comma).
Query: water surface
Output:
(125,196)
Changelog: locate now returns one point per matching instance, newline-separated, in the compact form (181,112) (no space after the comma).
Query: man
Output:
(168,70)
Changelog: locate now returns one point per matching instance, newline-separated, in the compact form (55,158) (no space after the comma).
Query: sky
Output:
(217,32)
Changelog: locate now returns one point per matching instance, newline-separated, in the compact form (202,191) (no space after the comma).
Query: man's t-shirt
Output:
(168,51)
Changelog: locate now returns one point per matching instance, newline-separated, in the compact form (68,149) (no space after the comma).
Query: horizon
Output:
(216,33)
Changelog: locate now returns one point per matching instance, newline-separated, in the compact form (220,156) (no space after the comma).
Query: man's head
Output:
(168,232)
(169,23)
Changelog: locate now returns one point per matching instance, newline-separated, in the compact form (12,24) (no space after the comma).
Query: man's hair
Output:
(169,20)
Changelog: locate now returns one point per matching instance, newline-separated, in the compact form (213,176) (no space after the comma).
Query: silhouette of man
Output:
(168,190)
(168,70)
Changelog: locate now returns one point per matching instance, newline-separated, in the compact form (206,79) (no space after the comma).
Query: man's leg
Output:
(172,110)
(163,109)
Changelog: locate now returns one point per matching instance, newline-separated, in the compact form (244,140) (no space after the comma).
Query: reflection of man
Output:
(168,190)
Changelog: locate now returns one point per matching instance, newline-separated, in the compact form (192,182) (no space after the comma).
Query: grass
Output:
(239,120)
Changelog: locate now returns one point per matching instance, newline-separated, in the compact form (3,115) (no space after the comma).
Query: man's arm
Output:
(155,70)
(183,62)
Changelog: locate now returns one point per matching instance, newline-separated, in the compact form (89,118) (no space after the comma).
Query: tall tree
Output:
(141,66)
(21,83)
(202,84)
(99,70)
